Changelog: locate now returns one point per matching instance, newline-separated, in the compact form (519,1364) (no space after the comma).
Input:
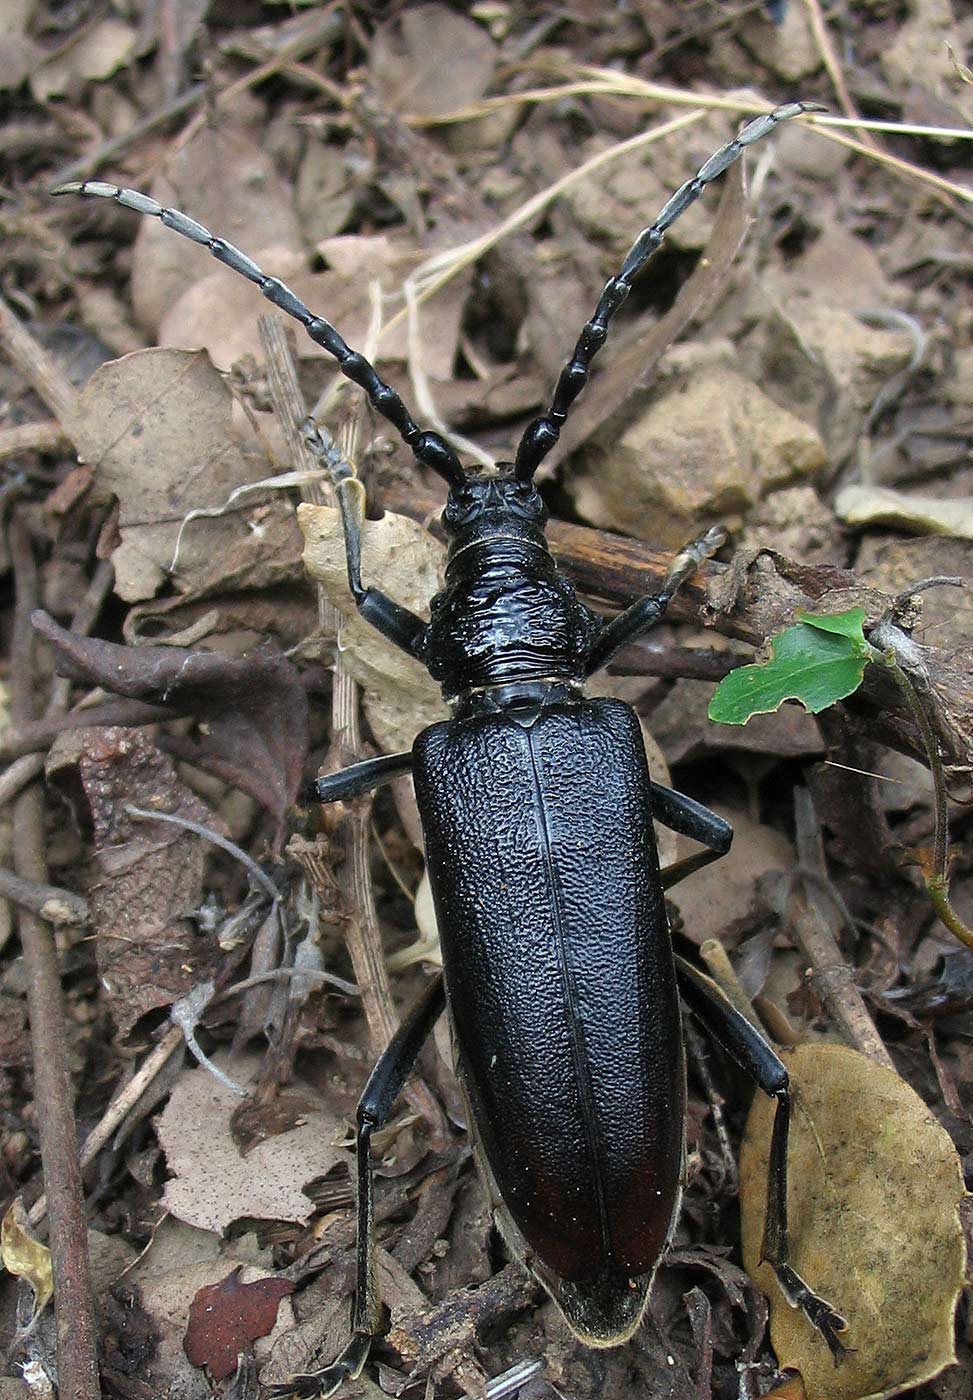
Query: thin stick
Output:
(14,779)
(830,60)
(593,81)
(109,151)
(361,931)
(37,735)
(77,1345)
(32,437)
(120,1107)
(53,905)
(939,183)
(24,770)
(35,364)
(833,979)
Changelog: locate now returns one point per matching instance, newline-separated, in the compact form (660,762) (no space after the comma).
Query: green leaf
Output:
(847,624)
(817,661)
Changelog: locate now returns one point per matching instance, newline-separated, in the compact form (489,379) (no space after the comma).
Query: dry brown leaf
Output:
(407,67)
(220,313)
(406,562)
(875,1186)
(325,192)
(99,51)
(227,180)
(213,1182)
(156,427)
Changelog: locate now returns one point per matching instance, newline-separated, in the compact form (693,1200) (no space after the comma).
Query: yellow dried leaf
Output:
(24,1256)
(874,1190)
(404,560)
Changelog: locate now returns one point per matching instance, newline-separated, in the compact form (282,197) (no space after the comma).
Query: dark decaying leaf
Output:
(151,875)
(253,708)
(226,1317)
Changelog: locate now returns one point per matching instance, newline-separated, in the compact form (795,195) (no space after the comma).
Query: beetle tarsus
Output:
(319,1385)
(818,1311)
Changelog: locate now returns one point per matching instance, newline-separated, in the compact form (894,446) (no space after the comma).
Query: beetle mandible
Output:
(565,1009)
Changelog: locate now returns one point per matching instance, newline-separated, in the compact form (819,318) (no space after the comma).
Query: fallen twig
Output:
(53,905)
(53,1096)
(833,980)
(361,929)
(36,364)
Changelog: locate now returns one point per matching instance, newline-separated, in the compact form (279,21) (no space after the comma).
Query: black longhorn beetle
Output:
(537,809)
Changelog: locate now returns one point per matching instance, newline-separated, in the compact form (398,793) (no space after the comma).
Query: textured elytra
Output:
(518,817)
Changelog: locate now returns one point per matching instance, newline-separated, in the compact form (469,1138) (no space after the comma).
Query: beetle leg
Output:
(398,624)
(681,814)
(747,1047)
(646,612)
(374,1107)
(360,777)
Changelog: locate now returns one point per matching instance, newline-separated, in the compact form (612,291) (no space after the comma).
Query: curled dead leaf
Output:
(875,1186)
(406,562)
(25,1256)
(156,427)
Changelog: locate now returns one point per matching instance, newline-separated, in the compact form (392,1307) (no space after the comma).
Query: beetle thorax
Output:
(506,614)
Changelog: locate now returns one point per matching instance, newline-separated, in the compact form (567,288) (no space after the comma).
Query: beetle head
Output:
(493,502)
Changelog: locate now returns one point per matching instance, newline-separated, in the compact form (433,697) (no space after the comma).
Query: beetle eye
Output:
(460,503)
(526,501)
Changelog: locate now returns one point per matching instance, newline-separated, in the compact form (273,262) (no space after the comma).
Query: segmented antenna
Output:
(541,435)
(428,447)
(431,448)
